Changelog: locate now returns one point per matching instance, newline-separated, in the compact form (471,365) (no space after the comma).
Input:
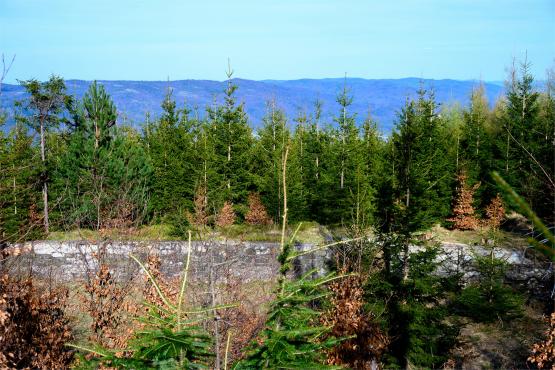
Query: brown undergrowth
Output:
(105,301)
(543,353)
(366,341)
(33,325)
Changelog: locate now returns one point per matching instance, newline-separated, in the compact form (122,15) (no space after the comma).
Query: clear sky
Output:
(281,39)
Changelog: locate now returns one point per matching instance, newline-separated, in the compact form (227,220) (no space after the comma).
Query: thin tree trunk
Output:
(44,184)
(284,174)
(96,135)
(458,141)
(14,192)
(507,154)
(406,242)
(342,174)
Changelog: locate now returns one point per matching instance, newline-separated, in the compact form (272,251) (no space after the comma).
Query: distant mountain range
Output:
(382,97)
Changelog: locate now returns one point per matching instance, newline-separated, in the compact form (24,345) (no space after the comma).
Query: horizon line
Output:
(273,79)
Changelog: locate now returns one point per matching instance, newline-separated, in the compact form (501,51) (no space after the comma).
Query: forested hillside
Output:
(69,163)
(383,97)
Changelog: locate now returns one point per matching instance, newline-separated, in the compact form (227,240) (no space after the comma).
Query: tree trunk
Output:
(342,174)
(44,184)
(14,192)
(96,135)
(507,154)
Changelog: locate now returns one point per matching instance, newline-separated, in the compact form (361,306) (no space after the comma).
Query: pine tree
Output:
(170,146)
(488,298)
(269,149)
(423,173)
(476,145)
(349,164)
(232,138)
(527,149)
(372,150)
(316,160)
(297,173)
(203,162)
(42,111)
(102,177)
(19,185)
(422,176)
(413,309)
(544,153)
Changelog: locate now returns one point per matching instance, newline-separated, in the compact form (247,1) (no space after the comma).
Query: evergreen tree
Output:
(232,139)
(372,150)
(544,152)
(475,146)
(170,143)
(349,165)
(316,160)
(369,169)
(41,111)
(292,336)
(19,186)
(102,176)
(413,309)
(297,172)
(423,174)
(269,149)
(201,156)
(527,143)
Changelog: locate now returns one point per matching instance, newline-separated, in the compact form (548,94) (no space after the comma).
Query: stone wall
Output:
(68,261)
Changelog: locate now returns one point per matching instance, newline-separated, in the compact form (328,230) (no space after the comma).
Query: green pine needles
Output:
(292,337)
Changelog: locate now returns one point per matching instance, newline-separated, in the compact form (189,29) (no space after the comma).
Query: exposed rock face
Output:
(69,260)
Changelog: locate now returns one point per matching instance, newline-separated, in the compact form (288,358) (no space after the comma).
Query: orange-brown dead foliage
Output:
(463,209)
(104,302)
(33,326)
(200,216)
(495,213)
(347,318)
(257,214)
(226,217)
(543,354)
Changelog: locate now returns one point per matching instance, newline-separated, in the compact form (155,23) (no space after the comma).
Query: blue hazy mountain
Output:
(382,97)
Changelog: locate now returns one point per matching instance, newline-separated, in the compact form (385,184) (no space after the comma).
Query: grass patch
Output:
(144,233)
(505,239)
(310,232)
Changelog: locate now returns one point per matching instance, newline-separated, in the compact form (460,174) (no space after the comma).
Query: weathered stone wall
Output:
(524,270)
(70,260)
(67,261)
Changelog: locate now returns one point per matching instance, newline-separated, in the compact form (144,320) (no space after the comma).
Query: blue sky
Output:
(284,39)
